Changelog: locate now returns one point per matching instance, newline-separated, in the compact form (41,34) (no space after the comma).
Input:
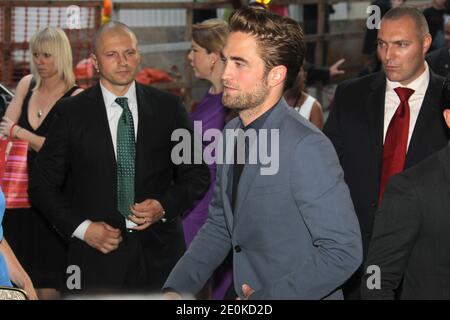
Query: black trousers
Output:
(127,270)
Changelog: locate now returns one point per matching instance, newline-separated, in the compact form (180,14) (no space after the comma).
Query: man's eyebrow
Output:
(401,41)
(234,58)
(396,41)
(239,59)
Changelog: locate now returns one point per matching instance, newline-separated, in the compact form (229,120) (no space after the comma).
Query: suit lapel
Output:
(102,126)
(226,178)
(246,181)
(418,148)
(144,105)
(251,170)
(375,105)
(102,140)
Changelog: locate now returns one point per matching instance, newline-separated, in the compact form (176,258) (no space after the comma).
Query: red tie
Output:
(395,144)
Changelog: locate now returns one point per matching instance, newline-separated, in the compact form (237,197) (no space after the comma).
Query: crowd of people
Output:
(106,195)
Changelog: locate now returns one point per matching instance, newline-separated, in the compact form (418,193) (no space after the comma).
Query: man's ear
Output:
(426,43)
(95,61)
(276,76)
(138,53)
(447,117)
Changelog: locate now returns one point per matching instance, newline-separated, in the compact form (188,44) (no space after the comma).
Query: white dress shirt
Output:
(114,111)
(392,100)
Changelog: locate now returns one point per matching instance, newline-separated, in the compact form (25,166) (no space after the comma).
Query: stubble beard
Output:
(246,100)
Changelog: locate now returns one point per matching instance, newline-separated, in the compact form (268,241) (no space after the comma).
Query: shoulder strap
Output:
(305,108)
(30,90)
(32,84)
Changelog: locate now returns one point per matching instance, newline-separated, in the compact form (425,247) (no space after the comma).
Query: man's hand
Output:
(247,291)
(146,213)
(334,69)
(103,237)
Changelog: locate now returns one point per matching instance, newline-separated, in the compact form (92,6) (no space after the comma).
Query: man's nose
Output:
(389,52)
(226,75)
(123,59)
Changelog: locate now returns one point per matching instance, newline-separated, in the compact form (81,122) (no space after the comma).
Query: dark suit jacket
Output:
(355,126)
(411,238)
(79,153)
(439,61)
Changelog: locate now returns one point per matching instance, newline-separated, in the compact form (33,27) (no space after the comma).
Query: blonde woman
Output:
(28,117)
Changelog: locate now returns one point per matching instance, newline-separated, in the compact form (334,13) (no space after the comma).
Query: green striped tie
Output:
(125,159)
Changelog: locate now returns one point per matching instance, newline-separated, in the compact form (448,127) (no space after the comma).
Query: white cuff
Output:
(81,230)
(130,224)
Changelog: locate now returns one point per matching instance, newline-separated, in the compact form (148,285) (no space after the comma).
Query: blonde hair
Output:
(210,34)
(54,41)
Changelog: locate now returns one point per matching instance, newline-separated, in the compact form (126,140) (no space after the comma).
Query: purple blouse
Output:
(212,114)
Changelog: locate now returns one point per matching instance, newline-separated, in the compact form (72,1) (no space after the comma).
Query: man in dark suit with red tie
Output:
(110,148)
(387,121)
(411,238)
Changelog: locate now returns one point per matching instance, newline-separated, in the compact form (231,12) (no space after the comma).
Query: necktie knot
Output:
(404,93)
(122,101)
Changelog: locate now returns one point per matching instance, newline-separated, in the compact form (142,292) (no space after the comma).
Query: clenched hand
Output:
(103,237)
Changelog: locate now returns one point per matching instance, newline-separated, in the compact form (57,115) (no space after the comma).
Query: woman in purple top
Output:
(208,40)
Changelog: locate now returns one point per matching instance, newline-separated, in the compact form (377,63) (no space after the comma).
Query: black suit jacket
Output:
(411,238)
(79,154)
(439,61)
(355,126)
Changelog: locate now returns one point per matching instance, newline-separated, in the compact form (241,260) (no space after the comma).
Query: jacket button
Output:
(237,249)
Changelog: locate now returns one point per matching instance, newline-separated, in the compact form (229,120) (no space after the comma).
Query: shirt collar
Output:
(258,122)
(110,98)
(419,85)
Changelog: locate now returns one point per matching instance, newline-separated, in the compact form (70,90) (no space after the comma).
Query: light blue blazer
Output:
(294,234)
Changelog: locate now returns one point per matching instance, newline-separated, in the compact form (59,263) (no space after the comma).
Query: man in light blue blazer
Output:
(288,217)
